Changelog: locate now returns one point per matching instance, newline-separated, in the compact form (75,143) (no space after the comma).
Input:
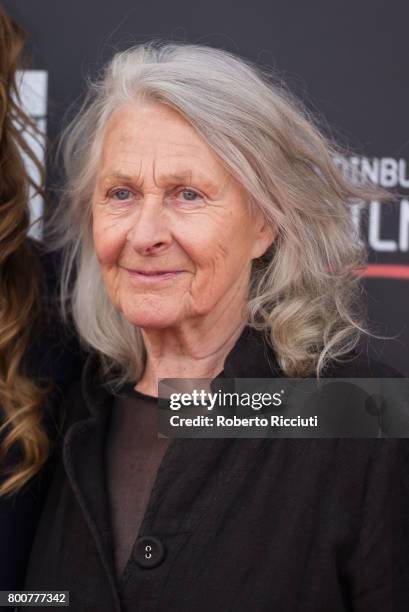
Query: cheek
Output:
(203,242)
(218,249)
(109,239)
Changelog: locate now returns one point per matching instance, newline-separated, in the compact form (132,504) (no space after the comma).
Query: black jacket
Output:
(258,525)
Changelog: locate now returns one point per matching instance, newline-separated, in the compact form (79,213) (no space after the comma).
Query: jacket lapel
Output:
(83,457)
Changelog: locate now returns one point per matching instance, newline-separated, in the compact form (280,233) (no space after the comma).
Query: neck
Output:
(191,350)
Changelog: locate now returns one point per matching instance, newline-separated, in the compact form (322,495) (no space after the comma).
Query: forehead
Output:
(142,133)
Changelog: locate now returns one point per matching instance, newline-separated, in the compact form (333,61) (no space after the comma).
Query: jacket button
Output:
(148,551)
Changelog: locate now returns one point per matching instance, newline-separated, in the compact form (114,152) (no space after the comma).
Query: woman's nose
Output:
(150,231)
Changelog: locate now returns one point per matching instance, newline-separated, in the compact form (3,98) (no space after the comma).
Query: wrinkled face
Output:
(171,227)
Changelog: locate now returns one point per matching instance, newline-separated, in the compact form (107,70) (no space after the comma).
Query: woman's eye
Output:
(189,195)
(122,194)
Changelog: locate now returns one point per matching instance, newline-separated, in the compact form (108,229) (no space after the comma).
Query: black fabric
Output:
(54,357)
(235,525)
(133,453)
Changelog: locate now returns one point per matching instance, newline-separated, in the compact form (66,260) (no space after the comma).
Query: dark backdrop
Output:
(347,60)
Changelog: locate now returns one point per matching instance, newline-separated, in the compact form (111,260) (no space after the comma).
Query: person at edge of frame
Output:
(39,356)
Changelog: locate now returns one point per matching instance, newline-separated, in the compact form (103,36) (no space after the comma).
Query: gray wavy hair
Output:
(303,293)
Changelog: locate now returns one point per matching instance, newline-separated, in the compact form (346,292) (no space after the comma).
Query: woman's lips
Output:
(152,277)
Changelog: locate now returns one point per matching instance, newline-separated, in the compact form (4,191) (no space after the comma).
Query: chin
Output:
(150,320)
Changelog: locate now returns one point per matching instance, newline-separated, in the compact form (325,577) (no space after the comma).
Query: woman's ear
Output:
(265,234)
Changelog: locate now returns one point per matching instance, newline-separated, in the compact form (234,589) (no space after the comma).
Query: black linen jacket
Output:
(243,525)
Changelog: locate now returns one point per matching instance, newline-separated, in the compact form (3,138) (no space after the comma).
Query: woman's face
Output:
(171,227)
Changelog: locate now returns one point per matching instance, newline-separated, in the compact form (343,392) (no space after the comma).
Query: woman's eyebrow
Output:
(187,177)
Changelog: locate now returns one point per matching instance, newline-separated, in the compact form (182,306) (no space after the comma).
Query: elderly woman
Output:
(210,235)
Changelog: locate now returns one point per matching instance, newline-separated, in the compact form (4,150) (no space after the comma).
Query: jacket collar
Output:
(251,357)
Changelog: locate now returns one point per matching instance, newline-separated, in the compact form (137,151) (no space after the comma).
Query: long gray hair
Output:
(303,293)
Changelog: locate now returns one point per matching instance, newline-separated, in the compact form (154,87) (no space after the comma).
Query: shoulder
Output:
(73,405)
(86,396)
(358,364)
